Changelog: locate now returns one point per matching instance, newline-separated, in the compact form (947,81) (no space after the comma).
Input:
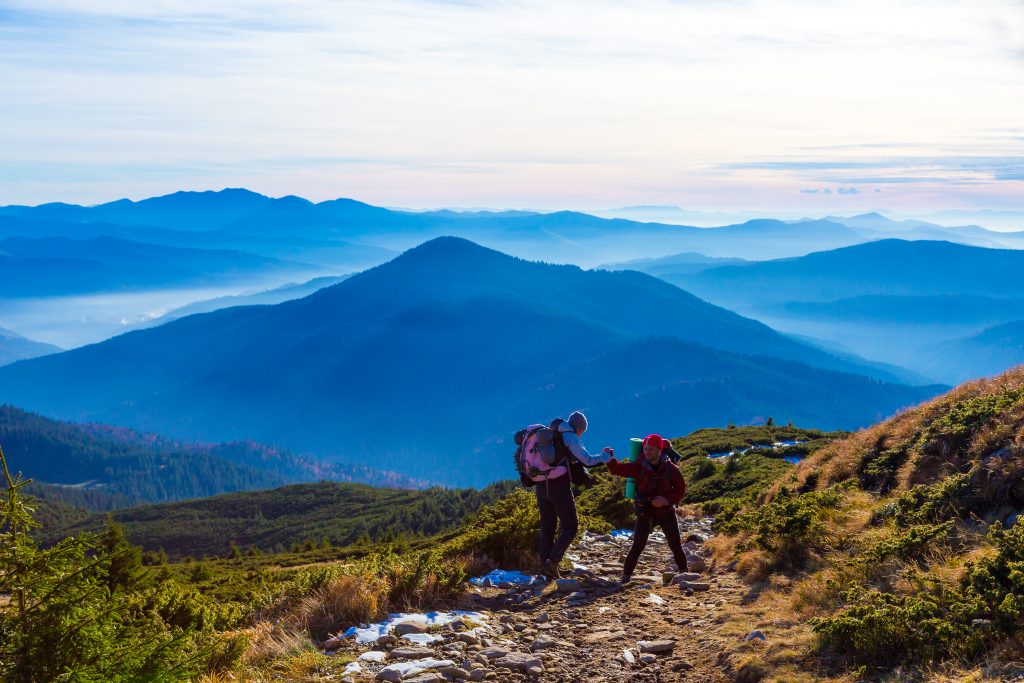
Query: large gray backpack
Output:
(536,454)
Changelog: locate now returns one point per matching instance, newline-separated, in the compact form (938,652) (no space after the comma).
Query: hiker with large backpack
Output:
(551,459)
(659,488)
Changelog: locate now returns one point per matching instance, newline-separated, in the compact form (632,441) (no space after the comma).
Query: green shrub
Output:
(419,581)
(745,476)
(73,615)
(504,532)
(879,628)
(884,629)
(604,505)
(724,511)
(965,417)
(705,468)
(790,519)
(927,504)
(878,467)
(909,544)
(996,583)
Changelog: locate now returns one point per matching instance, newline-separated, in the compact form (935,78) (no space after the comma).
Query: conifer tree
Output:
(71,616)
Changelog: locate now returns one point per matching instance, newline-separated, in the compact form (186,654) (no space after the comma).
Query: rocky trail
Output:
(662,626)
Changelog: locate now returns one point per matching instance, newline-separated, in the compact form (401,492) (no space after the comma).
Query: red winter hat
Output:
(655,440)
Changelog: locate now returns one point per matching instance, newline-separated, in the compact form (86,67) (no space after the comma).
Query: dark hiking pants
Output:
(557,510)
(644,521)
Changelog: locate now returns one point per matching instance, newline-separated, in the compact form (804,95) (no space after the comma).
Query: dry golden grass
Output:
(429,589)
(346,599)
(782,606)
(277,653)
(788,654)
(841,460)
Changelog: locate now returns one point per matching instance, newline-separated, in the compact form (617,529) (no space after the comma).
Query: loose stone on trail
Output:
(581,628)
(656,646)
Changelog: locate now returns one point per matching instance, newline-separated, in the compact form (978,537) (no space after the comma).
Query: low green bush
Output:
(965,417)
(923,504)
(908,544)
(790,520)
(75,611)
(882,629)
(504,532)
(605,505)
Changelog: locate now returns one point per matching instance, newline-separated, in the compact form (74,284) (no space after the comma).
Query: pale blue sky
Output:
(788,105)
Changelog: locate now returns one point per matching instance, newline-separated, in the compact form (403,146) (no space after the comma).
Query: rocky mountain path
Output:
(662,626)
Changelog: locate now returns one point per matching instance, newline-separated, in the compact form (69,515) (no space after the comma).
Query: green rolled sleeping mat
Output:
(636,447)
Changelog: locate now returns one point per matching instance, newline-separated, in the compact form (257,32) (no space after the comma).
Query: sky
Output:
(729,105)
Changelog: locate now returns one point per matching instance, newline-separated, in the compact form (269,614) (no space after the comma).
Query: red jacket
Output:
(664,480)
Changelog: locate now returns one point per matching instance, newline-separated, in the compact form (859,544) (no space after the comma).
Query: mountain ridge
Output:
(404,342)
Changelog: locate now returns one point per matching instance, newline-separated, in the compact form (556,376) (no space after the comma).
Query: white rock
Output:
(656,646)
(519,661)
(410,669)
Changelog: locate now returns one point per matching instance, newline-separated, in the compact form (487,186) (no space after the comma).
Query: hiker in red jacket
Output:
(659,488)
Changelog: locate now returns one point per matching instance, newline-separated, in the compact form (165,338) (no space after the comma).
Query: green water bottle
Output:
(636,447)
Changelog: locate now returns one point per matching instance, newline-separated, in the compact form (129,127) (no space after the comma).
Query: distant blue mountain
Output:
(938,309)
(885,267)
(60,266)
(866,296)
(180,210)
(876,226)
(688,262)
(249,221)
(328,253)
(426,364)
(264,298)
(985,353)
(14,347)
(241,217)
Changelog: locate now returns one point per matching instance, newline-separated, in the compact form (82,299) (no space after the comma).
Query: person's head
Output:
(653,444)
(578,422)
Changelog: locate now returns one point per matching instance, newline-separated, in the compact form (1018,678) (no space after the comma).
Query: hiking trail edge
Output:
(662,626)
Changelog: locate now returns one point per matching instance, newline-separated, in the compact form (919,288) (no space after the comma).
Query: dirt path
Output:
(587,627)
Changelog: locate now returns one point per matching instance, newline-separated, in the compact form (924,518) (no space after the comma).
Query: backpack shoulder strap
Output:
(561,449)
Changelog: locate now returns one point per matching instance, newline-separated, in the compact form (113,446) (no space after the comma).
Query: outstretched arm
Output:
(576,447)
(623,469)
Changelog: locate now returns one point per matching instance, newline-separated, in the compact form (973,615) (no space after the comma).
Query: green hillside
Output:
(895,549)
(100,467)
(283,518)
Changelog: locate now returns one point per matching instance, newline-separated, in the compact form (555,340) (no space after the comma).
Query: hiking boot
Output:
(550,570)
(626,578)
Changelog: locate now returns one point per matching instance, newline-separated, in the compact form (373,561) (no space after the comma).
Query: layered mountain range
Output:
(915,304)
(344,233)
(427,363)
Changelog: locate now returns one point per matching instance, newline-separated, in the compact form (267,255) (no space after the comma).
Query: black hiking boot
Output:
(550,570)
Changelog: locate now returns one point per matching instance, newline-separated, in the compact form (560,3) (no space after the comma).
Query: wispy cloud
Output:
(898,170)
(510,103)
